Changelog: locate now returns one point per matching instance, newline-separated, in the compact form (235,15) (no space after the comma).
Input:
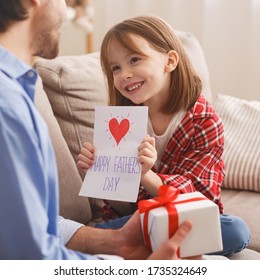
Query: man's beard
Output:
(47,46)
(49,52)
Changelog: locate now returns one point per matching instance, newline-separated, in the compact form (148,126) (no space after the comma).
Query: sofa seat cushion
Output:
(246,254)
(245,204)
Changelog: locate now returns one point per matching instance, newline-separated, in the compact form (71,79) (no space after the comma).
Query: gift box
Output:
(161,216)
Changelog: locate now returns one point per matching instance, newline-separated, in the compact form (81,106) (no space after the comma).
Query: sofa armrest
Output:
(71,205)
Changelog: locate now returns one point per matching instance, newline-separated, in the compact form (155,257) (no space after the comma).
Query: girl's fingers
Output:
(147,153)
(86,157)
(86,153)
(149,139)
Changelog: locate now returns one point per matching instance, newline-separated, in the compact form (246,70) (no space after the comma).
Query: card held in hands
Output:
(116,172)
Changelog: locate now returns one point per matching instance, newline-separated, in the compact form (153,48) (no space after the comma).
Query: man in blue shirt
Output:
(30,225)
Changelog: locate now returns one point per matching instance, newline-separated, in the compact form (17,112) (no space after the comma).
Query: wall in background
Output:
(73,39)
(228,30)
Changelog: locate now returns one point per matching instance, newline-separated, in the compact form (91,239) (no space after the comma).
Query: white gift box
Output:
(205,236)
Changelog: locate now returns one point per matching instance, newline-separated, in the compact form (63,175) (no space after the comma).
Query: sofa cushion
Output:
(245,204)
(196,55)
(74,86)
(246,254)
(71,205)
(241,119)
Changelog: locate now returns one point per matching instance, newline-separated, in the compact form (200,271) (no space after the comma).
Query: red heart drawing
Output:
(119,130)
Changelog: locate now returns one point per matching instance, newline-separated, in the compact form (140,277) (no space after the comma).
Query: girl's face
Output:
(144,79)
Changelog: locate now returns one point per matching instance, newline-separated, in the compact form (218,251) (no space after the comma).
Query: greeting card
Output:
(116,172)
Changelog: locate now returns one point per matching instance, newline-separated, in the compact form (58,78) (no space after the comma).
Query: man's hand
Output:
(127,242)
(133,246)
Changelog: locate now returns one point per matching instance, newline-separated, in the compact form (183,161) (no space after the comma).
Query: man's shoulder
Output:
(9,89)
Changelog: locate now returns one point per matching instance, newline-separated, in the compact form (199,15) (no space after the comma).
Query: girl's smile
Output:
(134,87)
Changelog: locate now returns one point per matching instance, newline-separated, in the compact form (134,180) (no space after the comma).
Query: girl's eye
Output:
(134,59)
(115,68)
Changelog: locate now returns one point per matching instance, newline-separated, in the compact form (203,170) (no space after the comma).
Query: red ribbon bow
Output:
(166,197)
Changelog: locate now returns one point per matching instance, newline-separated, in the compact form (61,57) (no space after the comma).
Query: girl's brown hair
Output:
(185,84)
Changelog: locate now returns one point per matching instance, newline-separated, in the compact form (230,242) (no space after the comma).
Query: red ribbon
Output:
(166,198)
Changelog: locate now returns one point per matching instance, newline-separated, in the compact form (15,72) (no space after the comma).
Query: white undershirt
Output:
(162,140)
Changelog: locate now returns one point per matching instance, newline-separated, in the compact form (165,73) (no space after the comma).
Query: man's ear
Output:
(32,3)
(37,2)
(172,61)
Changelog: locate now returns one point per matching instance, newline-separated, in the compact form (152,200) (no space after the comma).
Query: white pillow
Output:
(241,119)
(196,55)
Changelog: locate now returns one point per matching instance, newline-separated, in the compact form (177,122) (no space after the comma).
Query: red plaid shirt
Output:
(192,158)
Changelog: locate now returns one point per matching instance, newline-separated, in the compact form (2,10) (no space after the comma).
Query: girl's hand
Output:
(86,157)
(147,154)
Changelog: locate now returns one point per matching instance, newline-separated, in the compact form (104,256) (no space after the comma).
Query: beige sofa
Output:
(74,85)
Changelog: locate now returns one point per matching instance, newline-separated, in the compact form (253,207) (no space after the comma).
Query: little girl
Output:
(145,64)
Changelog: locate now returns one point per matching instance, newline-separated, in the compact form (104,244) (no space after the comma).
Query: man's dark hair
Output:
(11,11)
